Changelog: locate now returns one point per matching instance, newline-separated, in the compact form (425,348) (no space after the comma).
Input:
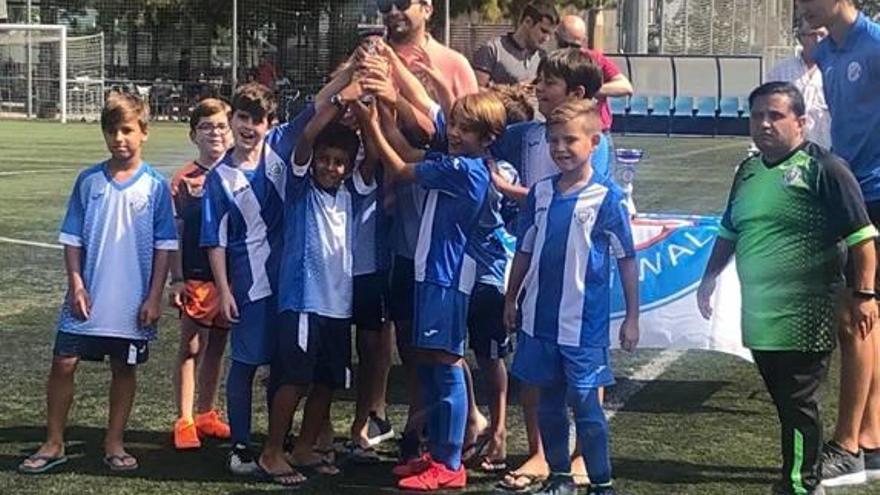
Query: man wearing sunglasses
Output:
(513,58)
(571,33)
(802,71)
(407,21)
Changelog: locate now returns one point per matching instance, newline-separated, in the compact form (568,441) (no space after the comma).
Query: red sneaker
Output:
(185,436)
(209,424)
(413,466)
(436,477)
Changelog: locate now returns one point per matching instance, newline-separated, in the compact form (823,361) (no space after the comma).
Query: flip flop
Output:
(287,480)
(474,451)
(361,455)
(533,481)
(49,463)
(117,463)
(493,466)
(321,466)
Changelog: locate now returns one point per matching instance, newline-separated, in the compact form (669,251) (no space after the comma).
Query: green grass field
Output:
(704,427)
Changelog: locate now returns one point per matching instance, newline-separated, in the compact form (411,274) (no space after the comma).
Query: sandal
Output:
(532,482)
(320,466)
(117,462)
(492,466)
(361,455)
(290,479)
(474,451)
(48,463)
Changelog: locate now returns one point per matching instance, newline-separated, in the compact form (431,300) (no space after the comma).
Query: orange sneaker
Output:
(413,466)
(436,477)
(209,424)
(185,435)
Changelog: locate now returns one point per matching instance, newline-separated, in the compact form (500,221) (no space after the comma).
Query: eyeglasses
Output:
(402,5)
(208,128)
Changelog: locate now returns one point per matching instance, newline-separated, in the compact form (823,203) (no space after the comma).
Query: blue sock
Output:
(553,421)
(448,418)
(592,431)
(239,396)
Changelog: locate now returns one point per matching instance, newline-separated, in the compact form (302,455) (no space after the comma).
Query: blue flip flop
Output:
(50,463)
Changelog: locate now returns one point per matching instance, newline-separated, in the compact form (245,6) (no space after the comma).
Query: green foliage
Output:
(498,10)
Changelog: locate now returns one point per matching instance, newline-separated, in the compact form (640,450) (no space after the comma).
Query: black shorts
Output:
(873,208)
(401,294)
(370,299)
(95,348)
(486,333)
(312,349)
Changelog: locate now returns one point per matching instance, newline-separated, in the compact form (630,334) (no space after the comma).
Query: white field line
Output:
(648,372)
(36,171)
(23,242)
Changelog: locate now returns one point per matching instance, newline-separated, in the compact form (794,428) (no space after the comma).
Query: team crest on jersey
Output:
(794,177)
(853,71)
(585,216)
(276,169)
(138,203)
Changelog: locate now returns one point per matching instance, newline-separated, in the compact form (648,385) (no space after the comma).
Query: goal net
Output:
(46,74)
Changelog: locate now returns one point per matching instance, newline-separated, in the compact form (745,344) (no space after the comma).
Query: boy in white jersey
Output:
(114,288)
(313,343)
(242,215)
(571,222)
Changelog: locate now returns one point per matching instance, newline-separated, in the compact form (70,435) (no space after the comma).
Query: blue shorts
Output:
(310,349)
(440,318)
(542,363)
(252,339)
(486,332)
(96,348)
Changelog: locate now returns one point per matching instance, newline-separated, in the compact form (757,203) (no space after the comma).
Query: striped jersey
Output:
(566,293)
(118,225)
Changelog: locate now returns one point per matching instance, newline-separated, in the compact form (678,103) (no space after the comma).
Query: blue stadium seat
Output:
(706,106)
(729,107)
(684,106)
(746,110)
(638,105)
(661,105)
(618,105)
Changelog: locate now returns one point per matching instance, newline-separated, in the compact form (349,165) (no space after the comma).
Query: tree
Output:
(496,10)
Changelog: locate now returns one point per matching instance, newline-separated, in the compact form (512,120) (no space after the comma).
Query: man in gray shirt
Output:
(513,58)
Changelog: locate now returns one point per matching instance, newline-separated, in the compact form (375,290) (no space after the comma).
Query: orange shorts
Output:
(202,304)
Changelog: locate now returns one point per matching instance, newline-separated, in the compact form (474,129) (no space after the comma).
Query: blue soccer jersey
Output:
(566,293)
(456,188)
(851,78)
(317,265)
(242,211)
(118,225)
(487,245)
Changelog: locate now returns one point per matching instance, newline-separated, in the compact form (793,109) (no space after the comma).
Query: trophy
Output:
(625,160)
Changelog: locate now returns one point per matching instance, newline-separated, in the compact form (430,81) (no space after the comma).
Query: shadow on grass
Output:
(689,473)
(674,397)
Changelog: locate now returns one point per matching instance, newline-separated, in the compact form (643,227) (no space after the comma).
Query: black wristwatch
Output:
(337,102)
(864,294)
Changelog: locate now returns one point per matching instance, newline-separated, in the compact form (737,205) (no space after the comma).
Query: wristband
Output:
(864,294)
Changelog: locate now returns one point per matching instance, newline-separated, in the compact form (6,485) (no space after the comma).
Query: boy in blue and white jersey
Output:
(315,297)
(117,235)
(242,229)
(572,222)
(456,184)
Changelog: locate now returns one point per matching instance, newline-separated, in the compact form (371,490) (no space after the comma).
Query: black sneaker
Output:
(872,464)
(601,490)
(558,484)
(378,430)
(842,468)
(240,461)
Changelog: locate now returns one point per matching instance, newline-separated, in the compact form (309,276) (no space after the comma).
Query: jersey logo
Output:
(585,216)
(853,71)
(138,203)
(794,177)
(431,333)
(276,169)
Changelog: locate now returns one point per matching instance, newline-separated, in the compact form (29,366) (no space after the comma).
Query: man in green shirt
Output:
(788,209)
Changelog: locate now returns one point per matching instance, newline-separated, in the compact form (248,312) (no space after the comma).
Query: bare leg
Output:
(284,403)
(122,389)
(59,397)
(188,353)
(536,464)
(315,415)
(496,378)
(477,423)
(856,372)
(210,368)
(869,434)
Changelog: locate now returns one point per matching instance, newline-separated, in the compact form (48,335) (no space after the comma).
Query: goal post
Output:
(34,59)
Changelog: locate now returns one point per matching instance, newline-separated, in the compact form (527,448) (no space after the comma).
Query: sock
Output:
(553,422)
(448,418)
(239,396)
(592,431)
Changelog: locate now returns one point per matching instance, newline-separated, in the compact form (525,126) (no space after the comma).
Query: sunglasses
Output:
(402,5)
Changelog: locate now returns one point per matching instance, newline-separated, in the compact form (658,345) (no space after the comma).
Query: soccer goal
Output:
(46,74)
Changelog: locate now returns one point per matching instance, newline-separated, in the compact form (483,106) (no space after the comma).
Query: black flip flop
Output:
(474,452)
(116,462)
(317,466)
(281,479)
(533,482)
(50,463)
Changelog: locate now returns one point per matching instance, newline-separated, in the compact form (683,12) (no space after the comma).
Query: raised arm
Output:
(391,160)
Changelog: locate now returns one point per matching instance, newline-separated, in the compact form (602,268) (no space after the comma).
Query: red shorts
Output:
(201,304)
